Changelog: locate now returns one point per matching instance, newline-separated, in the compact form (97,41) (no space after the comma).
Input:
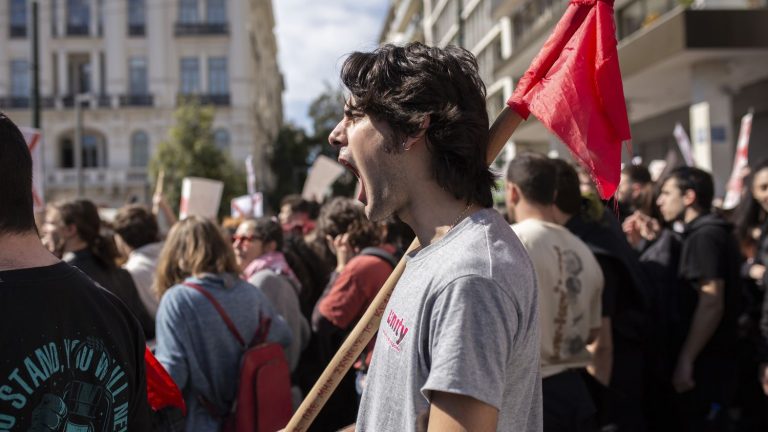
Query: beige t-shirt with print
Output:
(570,288)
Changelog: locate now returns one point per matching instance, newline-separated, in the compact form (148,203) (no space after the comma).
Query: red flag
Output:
(574,88)
(161,390)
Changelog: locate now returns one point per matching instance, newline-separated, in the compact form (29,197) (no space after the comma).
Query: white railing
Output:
(67,177)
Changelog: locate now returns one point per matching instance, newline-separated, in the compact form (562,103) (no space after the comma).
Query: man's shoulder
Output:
(63,278)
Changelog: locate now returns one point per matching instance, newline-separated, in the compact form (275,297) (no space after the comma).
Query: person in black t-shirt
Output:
(71,354)
(708,297)
(626,302)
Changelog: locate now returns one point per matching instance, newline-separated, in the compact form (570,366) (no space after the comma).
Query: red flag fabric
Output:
(574,88)
(162,391)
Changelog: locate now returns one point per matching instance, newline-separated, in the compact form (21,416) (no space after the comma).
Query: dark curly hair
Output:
(344,215)
(403,85)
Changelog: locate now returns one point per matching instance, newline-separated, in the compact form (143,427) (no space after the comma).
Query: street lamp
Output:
(79,100)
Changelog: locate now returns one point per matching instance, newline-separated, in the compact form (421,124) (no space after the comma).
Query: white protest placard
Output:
(34,139)
(656,168)
(246,206)
(684,144)
(323,173)
(251,178)
(740,163)
(200,197)
(701,133)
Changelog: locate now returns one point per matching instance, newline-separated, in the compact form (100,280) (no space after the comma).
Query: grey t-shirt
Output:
(463,319)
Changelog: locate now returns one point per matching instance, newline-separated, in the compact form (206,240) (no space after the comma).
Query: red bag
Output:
(263,401)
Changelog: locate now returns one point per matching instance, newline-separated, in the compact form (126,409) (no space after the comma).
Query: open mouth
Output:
(361,195)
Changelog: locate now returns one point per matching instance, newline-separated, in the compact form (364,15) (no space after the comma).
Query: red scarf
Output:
(162,391)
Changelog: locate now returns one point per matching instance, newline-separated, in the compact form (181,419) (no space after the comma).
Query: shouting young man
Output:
(458,345)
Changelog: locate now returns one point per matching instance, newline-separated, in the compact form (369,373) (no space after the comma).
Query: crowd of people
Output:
(644,313)
(651,309)
(311,273)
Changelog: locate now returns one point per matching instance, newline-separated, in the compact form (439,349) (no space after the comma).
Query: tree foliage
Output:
(190,151)
(295,150)
(289,161)
(326,111)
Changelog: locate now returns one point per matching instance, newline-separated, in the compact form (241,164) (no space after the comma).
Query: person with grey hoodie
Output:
(137,239)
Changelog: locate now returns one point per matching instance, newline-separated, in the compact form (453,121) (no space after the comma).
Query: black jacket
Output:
(117,281)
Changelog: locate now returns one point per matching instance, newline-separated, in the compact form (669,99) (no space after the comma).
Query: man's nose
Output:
(336,137)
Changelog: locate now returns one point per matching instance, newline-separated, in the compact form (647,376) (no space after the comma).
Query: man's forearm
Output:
(706,318)
(602,354)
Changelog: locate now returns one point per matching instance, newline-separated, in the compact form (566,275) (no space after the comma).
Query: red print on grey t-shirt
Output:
(399,330)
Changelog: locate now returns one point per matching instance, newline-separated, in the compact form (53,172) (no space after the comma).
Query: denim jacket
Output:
(198,350)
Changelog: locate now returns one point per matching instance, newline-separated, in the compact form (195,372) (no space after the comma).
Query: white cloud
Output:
(313,39)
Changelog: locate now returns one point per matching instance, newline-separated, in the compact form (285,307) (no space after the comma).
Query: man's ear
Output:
(424,124)
(689,197)
(410,141)
(512,192)
(70,231)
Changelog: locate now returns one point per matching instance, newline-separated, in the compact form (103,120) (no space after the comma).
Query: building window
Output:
(19,78)
(217,12)
(190,75)
(188,11)
(93,152)
(218,79)
(221,140)
(139,149)
(54,17)
(137,72)
(136,17)
(18,18)
(640,14)
(78,17)
(83,77)
(90,151)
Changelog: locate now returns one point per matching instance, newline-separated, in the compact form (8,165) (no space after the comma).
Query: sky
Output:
(313,37)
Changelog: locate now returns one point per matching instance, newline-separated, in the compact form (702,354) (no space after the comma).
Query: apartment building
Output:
(129,64)
(673,54)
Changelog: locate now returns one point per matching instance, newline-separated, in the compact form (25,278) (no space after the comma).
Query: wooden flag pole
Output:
(350,350)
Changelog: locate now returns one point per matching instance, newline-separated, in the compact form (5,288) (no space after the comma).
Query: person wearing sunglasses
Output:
(258,247)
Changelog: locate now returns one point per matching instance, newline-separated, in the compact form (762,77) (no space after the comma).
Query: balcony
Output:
(15,102)
(66,178)
(77,30)
(68,101)
(200,29)
(137,100)
(641,14)
(18,31)
(136,30)
(204,99)
(103,101)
